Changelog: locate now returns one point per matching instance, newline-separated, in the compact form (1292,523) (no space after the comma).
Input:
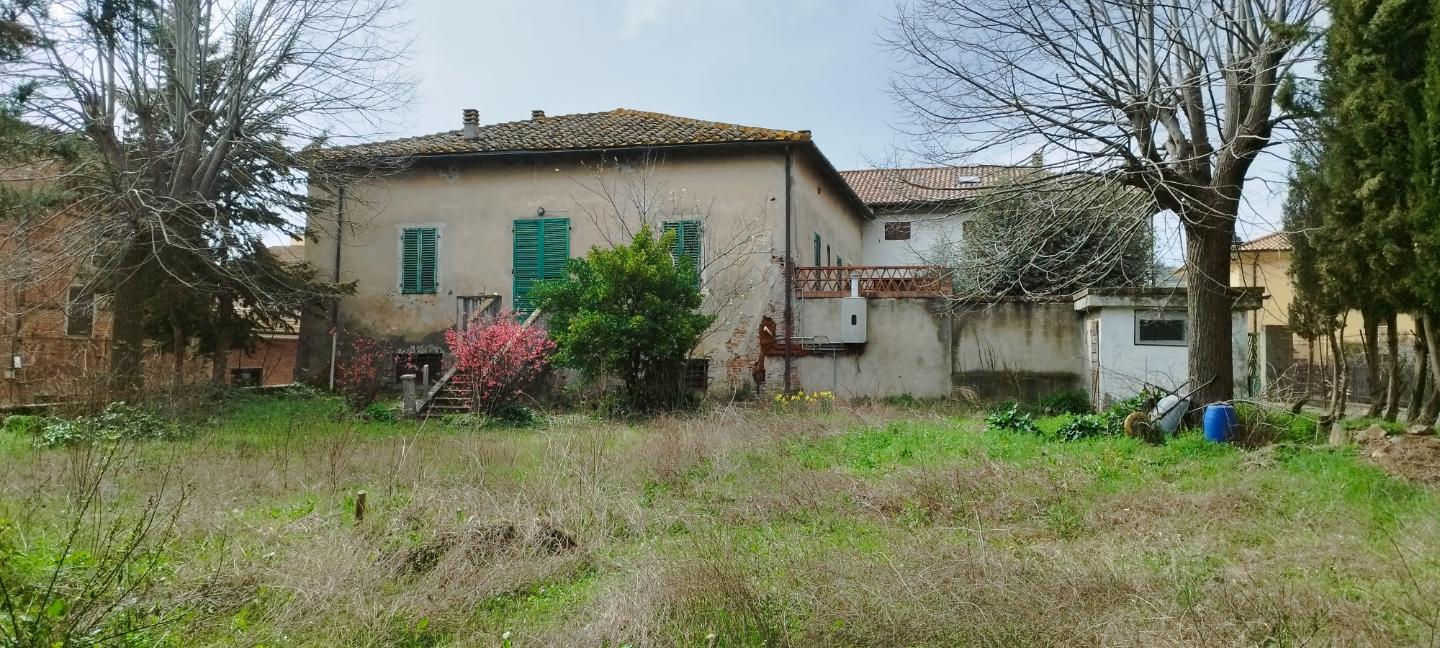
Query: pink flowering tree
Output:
(498,358)
(360,367)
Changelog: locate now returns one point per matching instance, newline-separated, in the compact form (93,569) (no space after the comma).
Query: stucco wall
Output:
(1126,367)
(820,208)
(928,230)
(739,195)
(1017,348)
(907,351)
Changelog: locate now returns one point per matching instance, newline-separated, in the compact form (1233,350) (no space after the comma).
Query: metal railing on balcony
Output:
(875,281)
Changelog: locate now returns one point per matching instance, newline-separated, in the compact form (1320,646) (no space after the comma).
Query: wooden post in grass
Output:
(359,506)
(407,387)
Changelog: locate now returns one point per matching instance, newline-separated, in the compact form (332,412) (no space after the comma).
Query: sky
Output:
(787,64)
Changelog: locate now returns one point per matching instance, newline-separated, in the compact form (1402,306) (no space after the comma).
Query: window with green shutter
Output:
(817,249)
(540,252)
(419,260)
(687,243)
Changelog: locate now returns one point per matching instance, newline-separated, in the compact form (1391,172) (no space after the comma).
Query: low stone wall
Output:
(1016,349)
(927,348)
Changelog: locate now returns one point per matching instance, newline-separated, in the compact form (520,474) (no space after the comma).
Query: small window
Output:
(247,377)
(419,260)
(1161,327)
(474,307)
(79,312)
(897,231)
(817,249)
(827,256)
(967,228)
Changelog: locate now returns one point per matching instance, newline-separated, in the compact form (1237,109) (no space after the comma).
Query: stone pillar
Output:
(407,387)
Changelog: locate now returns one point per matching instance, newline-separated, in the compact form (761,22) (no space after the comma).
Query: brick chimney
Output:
(537,115)
(472,124)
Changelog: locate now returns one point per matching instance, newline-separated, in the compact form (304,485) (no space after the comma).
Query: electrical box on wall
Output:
(852,320)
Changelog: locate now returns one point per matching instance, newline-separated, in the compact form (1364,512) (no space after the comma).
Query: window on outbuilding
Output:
(687,244)
(419,260)
(541,250)
(79,312)
(1161,328)
(897,231)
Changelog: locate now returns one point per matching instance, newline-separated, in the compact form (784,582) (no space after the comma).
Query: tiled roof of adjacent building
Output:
(928,184)
(1272,242)
(619,128)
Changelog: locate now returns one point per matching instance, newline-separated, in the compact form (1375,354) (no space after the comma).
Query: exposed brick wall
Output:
(275,357)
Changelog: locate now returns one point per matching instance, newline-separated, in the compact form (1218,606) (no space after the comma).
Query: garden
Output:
(289,519)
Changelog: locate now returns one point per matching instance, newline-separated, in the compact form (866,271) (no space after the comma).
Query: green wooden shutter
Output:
(419,260)
(687,243)
(541,250)
(817,249)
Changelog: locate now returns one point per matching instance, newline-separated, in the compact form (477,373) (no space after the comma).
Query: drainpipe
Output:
(335,303)
(789,271)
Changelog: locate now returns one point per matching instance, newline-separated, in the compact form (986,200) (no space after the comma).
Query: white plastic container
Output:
(1169,412)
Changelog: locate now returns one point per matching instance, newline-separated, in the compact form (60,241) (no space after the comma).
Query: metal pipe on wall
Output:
(789,270)
(335,302)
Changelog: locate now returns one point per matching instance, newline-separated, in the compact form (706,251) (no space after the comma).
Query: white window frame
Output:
(1162,315)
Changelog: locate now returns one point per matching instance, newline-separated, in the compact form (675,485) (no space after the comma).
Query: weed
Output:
(1011,419)
(1066,401)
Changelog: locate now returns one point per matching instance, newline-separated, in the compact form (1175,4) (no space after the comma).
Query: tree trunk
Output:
(1432,405)
(220,360)
(1370,324)
(127,335)
(1339,384)
(1392,367)
(178,342)
(1212,365)
(1339,375)
(1422,371)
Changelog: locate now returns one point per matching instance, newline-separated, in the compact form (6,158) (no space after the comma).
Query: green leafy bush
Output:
(1089,425)
(1066,401)
(117,421)
(380,413)
(23,424)
(631,312)
(1012,419)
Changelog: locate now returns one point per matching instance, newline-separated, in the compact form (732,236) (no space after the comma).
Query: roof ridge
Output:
(793,134)
(936,168)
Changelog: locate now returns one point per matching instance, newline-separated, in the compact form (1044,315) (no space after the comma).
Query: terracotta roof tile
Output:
(1272,242)
(928,184)
(619,128)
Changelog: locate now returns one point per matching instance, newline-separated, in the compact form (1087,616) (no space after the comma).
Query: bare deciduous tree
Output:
(619,197)
(194,114)
(1175,98)
(1031,240)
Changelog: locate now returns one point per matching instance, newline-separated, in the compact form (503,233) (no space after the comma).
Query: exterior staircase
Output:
(451,398)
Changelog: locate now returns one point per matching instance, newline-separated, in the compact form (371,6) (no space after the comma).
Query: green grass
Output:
(881,527)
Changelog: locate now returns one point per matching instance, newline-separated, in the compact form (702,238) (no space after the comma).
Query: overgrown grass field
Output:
(742,526)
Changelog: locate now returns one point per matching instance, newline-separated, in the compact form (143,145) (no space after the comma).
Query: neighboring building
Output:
(1264,262)
(271,361)
(920,212)
(471,218)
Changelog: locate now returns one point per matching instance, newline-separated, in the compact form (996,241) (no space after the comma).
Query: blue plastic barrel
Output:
(1219,422)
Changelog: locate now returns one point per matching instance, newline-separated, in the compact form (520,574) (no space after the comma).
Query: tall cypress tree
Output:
(1371,98)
